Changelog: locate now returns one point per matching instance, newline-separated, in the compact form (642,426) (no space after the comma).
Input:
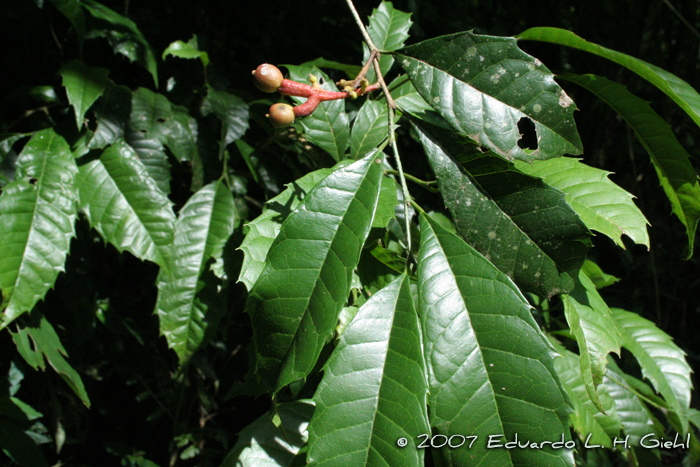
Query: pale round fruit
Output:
(268,78)
(281,115)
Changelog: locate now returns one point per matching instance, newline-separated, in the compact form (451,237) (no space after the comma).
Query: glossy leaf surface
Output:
(388,29)
(186,303)
(37,216)
(681,92)
(84,84)
(490,368)
(263,444)
(523,226)
(663,362)
(187,50)
(592,325)
(328,126)
(592,426)
(264,229)
(373,390)
(671,161)
(484,85)
(123,203)
(370,128)
(294,304)
(600,203)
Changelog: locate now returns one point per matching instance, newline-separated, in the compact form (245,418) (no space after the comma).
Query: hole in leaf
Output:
(320,80)
(160,119)
(33,181)
(528,134)
(143,131)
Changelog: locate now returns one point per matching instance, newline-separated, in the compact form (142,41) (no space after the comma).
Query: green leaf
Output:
(156,122)
(361,410)
(123,203)
(671,161)
(350,70)
(203,226)
(264,444)
(294,304)
(328,126)
(592,324)
(370,128)
(113,113)
(15,409)
(602,205)
(484,85)
(663,362)
(261,172)
(187,50)
(73,11)
(385,206)
(84,84)
(523,226)
(37,216)
(490,368)
(592,426)
(19,446)
(123,36)
(264,229)
(388,29)
(597,276)
(634,416)
(681,92)
(231,110)
(38,341)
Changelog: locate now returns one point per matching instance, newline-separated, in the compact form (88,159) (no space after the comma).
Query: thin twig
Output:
(425,184)
(392,126)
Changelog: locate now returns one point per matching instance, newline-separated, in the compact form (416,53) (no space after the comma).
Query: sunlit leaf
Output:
(671,161)
(490,368)
(593,426)
(592,325)
(371,127)
(266,444)
(523,226)
(84,84)
(263,230)
(388,29)
(328,126)
(484,85)
(350,70)
(663,362)
(37,343)
(361,410)
(681,92)
(37,216)
(599,278)
(186,304)
(123,203)
(600,203)
(294,304)
(188,50)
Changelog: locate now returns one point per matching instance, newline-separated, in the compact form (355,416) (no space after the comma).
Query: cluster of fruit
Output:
(268,78)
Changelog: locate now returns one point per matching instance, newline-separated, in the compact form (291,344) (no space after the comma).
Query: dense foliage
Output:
(408,277)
